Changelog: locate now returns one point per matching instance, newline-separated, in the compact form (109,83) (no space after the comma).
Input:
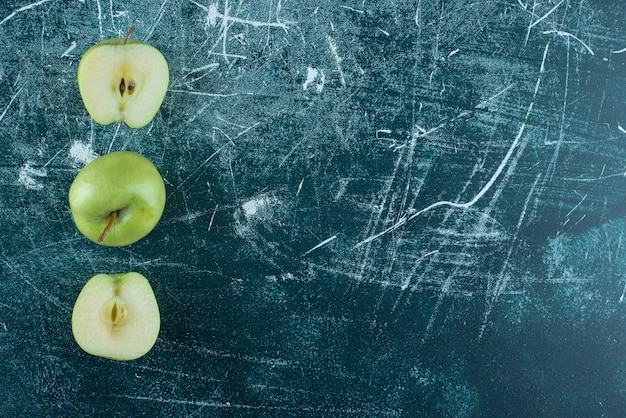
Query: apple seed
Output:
(115,311)
(122,87)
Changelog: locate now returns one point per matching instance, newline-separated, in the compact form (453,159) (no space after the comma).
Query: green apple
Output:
(123,80)
(116,316)
(117,199)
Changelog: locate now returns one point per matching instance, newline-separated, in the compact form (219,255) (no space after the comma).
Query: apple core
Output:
(115,312)
(131,84)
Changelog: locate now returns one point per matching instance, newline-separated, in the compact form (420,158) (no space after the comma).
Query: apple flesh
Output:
(117,199)
(123,80)
(116,316)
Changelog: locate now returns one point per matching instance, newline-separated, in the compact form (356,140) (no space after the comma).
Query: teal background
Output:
(392,208)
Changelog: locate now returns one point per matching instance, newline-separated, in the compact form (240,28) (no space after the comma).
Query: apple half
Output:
(123,80)
(116,316)
(117,199)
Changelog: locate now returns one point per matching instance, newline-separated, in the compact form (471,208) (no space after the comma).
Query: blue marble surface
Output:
(391,208)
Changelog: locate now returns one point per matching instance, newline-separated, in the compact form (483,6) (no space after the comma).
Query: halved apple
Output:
(123,80)
(116,316)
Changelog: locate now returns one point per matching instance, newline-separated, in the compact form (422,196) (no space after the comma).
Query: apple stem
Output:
(131,30)
(108,227)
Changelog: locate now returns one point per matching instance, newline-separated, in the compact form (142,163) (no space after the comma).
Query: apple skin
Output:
(122,182)
(101,70)
(116,316)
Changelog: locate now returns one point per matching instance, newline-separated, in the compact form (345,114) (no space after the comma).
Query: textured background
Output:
(390,208)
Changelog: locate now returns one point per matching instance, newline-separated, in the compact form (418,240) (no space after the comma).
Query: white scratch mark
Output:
(536,22)
(300,187)
(119,13)
(54,156)
(156,22)
(23,9)
(414,214)
(409,278)
(422,132)
(203,164)
(68,50)
(320,245)
(539,20)
(202,68)
(212,218)
(620,51)
(275,362)
(199,112)
(117,129)
(201,93)
(417,14)
(9,105)
(352,9)
(213,14)
(443,292)
(236,406)
(576,206)
(569,35)
(453,53)
(291,152)
(382,131)
(190,216)
(619,127)
(493,294)
(377,215)
(557,148)
(226,55)
(111,14)
(338,59)
(99,17)
(254,125)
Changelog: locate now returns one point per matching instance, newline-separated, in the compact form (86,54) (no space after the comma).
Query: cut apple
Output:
(116,316)
(123,80)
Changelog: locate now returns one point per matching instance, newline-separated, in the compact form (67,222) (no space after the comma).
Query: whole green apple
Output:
(123,80)
(116,316)
(117,199)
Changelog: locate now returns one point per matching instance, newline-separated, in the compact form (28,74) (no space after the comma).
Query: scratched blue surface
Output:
(383,208)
